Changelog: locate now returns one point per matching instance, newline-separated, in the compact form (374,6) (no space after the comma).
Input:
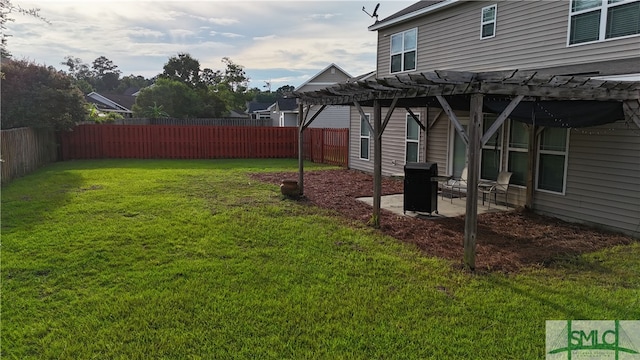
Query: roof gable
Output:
(330,75)
(114,101)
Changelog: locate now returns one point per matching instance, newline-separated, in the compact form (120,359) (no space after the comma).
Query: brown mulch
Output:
(506,241)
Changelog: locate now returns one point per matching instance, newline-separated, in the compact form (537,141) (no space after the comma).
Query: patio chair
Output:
(455,184)
(500,186)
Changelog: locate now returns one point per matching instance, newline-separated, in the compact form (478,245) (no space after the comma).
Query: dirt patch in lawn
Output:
(506,241)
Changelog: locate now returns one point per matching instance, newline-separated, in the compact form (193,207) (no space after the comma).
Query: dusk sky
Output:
(284,42)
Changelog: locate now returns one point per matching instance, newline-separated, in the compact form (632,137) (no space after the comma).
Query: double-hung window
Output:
(597,20)
(518,153)
(491,151)
(404,50)
(412,139)
(364,137)
(488,22)
(552,160)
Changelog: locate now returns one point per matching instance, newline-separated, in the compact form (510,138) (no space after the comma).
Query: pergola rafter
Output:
(468,90)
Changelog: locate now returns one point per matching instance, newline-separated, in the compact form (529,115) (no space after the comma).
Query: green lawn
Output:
(124,259)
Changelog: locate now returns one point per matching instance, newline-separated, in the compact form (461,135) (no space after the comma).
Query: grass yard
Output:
(125,259)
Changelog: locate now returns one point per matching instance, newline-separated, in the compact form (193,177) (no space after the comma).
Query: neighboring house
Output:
(582,174)
(237,113)
(258,110)
(285,112)
(117,103)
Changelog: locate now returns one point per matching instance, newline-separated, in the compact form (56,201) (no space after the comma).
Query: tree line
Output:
(35,95)
(40,96)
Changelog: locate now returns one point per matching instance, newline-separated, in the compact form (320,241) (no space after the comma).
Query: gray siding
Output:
(603,179)
(438,141)
(336,117)
(325,77)
(529,35)
(393,142)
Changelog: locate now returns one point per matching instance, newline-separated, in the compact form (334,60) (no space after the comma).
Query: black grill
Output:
(420,187)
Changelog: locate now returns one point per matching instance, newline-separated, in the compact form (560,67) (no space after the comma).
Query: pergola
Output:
(504,91)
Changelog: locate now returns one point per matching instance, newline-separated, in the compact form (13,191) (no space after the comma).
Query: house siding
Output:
(393,142)
(324,78)
(529,35)
(603,186)
(335,117)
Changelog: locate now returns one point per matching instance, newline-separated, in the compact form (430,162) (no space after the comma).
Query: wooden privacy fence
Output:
(328,146)
(177,142)
(25,150)
(198,142)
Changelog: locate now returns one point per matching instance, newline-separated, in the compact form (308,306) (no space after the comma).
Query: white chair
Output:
(501,185)
(455,184)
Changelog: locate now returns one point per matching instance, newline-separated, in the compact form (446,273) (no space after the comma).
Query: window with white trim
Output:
(364,137)
(490,160)
(412,139)
(518,153)
(404,50)
(488,21)
(597,20)
(552,160)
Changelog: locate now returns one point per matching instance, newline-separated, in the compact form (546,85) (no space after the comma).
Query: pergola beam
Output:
(453,118)
(473,174)
(377,162)
(389,113)
(363,115)
(415,118)
(300,149)
(313,117)
(500,120)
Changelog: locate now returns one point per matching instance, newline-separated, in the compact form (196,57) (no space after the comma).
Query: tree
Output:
(210,78)
(6,8)
(132,81)
(77,69)
(235,76)
(183,68)
(102,65)
(155,112)
(231,85)
(106,74)
(176,98)
(284,90)
(37,96)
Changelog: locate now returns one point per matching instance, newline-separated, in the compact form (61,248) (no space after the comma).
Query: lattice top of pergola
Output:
(407,88)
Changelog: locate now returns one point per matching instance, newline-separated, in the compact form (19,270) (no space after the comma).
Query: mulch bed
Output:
(506,241)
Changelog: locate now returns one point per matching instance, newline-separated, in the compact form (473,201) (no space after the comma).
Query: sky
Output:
(280,42)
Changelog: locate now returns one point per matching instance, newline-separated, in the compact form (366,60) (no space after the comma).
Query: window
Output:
(403,51)
(596,20)
(364,137)
(518,153)
(491,151)
(412,139)
(488,22)
(552,160)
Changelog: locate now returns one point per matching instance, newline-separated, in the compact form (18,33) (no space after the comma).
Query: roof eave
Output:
(384,24)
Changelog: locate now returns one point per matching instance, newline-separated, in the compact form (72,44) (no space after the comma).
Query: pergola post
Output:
(471,218)
(300,149)
(377,162)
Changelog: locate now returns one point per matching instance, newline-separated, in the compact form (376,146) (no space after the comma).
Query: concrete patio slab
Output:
(446,207)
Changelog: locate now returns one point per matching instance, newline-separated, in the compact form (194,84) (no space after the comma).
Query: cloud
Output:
(181,33)
(263,38)
(144,32)
(216,21)
(226,34)
(322,16)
